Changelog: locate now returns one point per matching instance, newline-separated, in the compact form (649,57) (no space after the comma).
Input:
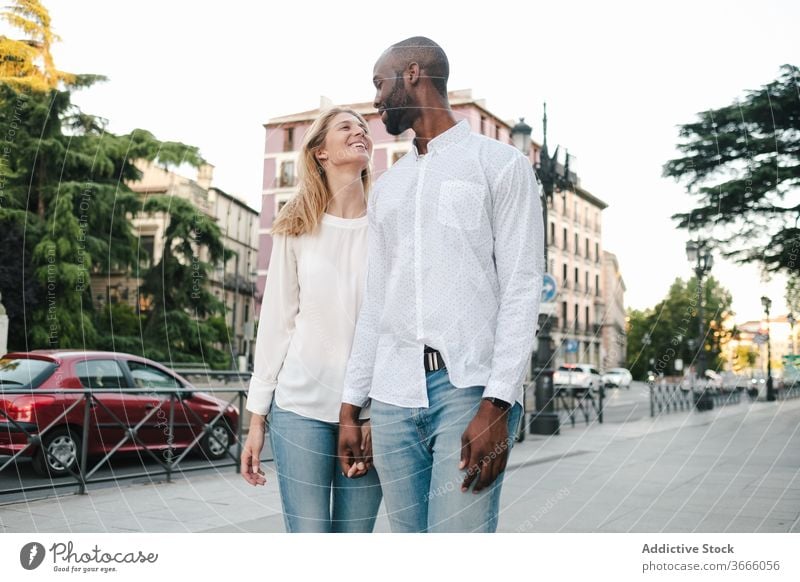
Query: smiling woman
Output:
(304,339)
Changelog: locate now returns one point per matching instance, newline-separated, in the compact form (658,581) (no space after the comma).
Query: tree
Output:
(184,323)
(742,165)
(28,64)
(669,331)
(64,202)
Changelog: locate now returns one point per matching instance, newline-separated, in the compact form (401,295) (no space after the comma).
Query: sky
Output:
(618,78)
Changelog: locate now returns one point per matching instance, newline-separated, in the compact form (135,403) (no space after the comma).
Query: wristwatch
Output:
(501,404)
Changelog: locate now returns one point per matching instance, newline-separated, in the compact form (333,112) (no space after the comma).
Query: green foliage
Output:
(741,163)
(663,333)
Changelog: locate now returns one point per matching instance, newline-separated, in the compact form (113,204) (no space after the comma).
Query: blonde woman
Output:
(305,332)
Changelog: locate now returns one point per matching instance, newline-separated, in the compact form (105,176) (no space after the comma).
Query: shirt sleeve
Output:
(518,232)
(276,324)
(360,367)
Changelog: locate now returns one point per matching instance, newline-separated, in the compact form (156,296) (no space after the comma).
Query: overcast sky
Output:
(618,78)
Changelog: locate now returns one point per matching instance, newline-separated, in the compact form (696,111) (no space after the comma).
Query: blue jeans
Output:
(315,496)
(417,452)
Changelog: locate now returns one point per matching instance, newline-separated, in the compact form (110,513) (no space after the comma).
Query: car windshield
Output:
(569,369)
(24,372)
(615,371)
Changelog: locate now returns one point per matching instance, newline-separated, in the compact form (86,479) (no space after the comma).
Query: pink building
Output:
(285,134)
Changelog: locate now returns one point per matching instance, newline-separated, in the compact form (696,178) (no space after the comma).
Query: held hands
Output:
(251,465)
(484,447)
(355,443)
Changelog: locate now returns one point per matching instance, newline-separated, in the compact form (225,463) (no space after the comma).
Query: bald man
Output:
(448,321)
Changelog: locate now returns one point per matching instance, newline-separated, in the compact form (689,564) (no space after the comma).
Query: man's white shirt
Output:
(456,261)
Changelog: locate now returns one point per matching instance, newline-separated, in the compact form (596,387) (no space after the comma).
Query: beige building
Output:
(234,284)
(613,345)
(783,336)
(575,257)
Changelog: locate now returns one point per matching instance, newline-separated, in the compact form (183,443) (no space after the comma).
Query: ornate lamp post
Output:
(546,420)
(767,303)
(699,255)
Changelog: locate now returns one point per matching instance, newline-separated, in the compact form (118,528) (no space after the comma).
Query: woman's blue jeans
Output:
(315,496)
(417,453)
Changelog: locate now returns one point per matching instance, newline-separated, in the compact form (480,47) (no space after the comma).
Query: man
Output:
(448,321)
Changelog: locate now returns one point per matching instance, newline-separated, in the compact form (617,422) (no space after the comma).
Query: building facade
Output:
(574,229)
(612,319)
(233,283)
(284,136)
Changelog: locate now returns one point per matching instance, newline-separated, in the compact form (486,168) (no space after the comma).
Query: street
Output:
(732,469)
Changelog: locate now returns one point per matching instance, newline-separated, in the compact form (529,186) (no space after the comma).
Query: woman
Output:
(305,332)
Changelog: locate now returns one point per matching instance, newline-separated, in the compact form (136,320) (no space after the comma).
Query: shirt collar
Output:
(445,139)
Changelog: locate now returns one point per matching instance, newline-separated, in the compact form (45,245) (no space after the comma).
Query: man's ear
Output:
(412,73)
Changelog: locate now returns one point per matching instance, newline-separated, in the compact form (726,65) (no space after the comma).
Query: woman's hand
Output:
(251,464)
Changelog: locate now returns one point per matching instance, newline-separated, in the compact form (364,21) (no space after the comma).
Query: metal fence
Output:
(668,398)
(90,403)
(571,401)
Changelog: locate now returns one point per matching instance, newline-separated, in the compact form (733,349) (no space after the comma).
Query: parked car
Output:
(104,372)
(577,376)
(617,378)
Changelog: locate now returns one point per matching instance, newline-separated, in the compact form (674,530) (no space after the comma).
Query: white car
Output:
(577,376)
(617,378)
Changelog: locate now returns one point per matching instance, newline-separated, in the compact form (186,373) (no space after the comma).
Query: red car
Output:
(45,370)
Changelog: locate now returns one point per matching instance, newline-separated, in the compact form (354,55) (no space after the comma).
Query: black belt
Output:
(432,359)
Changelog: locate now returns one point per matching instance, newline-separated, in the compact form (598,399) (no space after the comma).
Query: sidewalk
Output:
(734,469)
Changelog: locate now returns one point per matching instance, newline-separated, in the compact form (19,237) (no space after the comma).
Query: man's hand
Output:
(251,453)
(351,448)
(484,447)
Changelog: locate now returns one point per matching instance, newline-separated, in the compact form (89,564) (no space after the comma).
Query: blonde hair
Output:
(303,212)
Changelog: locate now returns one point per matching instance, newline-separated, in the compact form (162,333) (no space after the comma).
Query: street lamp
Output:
(790,318)
(767,303)
(699,255)
(546,420)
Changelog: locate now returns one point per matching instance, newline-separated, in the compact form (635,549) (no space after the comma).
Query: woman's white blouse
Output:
(308,315)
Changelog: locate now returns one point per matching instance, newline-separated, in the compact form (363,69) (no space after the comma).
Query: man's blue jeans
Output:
(417,453)
(315,496)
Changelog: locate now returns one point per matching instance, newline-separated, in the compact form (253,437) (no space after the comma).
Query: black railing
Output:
(169,462)
(572,400)
(667,398)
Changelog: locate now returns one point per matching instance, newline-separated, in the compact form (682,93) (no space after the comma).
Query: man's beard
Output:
(397,110)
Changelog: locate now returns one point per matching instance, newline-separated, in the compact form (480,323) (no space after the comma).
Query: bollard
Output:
(545,420)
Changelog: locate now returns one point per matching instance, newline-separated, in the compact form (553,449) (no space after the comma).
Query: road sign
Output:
(571,346)
(549,288)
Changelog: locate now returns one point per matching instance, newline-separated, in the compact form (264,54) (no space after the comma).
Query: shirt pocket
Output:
(460,204)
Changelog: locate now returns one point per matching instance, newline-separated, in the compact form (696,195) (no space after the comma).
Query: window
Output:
(577,246)
(288,139)
(586,280)
(496,132)
(575,321)
(281,204)
(286,178)
(147,246)
(483,125)
(577,276)
(596,252)
(588,324)
(564,277)
(553,233)
(565,239)
(552,266)
(100,374)
(564,205)
(597,285)
(564,313)
(145,376)
(587,249)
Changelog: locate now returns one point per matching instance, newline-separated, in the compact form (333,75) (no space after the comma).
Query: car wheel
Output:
(216,443)
(64,447)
